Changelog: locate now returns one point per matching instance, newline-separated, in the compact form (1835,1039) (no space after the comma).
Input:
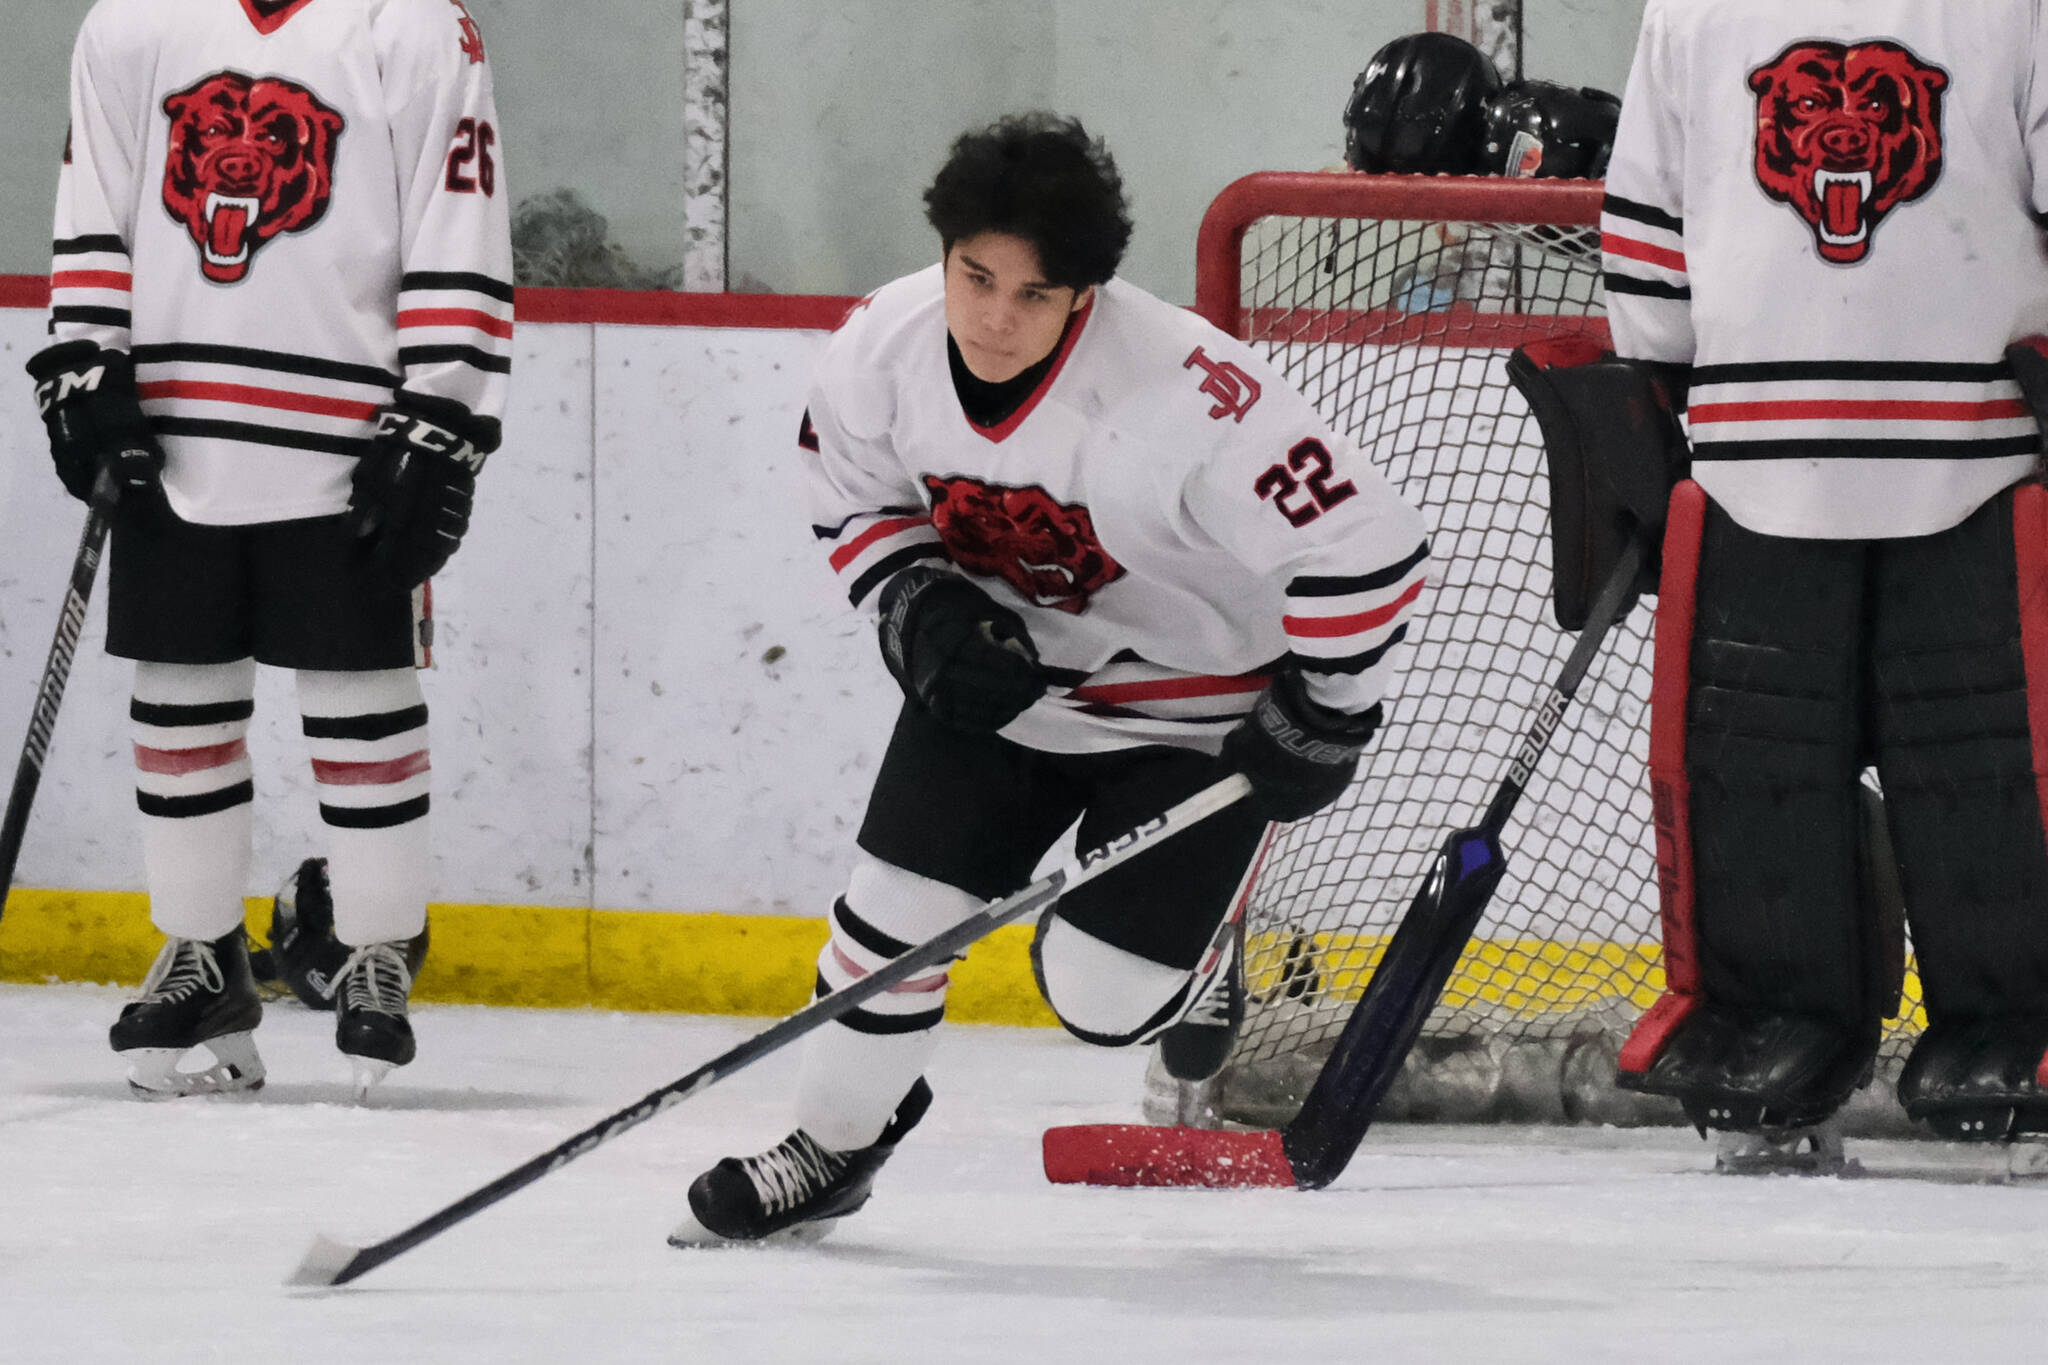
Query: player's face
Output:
(1003,315)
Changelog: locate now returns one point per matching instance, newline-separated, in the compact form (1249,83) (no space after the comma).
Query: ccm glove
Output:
(94,415)
(413,487)
(1298,756)
(957,652)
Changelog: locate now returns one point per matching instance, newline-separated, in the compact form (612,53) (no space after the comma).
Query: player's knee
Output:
(886,912)
(1104,994)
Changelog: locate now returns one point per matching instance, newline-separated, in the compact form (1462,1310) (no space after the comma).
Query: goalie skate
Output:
(796,1191)
(1814,1150)
(199,993)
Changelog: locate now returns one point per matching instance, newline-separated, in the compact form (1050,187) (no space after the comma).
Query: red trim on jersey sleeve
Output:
(1325,627)
(1616,245)
(456,317)
(92,279)
(881,530)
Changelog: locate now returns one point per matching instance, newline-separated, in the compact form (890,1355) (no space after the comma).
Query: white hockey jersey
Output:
(1172,520)
(284,211)
(1832,210)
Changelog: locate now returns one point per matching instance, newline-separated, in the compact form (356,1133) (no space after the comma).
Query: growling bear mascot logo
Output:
(1045,549)
(250,157)
(1845,133)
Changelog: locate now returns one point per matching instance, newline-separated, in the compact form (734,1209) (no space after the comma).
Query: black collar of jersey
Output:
(990,405)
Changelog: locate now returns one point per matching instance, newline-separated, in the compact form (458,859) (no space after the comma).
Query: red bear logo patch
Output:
(1845,133)
(250,157)
(1046,549)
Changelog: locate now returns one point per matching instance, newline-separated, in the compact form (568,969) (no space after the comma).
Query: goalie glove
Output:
(1615,450)
(94,416)
(412,489)
(1298,755)
(956,651)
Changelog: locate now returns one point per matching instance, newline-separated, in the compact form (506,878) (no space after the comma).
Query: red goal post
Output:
(1393,302)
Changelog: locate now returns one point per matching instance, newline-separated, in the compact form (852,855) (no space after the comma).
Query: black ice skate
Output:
(796,1191)
(1196,1048)
(370,1023)
(198,993)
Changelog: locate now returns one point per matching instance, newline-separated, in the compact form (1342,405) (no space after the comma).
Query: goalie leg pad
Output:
(1755,750)
(856,1068)
(1961,721)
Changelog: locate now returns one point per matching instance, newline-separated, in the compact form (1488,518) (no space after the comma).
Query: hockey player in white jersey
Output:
(281,312)
(1827,217)
(1104,543)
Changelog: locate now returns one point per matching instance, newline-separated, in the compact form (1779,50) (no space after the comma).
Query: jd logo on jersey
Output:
(1845,133)
(250,157)
(1043,548)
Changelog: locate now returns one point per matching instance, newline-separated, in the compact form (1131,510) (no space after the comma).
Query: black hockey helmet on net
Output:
(1540,128)
(304,954)
(1419,107)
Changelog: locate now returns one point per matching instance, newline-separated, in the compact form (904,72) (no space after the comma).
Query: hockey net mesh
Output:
(1398,328)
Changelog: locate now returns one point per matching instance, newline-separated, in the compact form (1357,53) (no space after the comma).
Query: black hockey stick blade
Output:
(1387,1020)
(1433,934)
(329,1262)
(42,722)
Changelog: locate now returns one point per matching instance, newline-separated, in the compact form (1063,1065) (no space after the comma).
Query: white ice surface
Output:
(162,1232)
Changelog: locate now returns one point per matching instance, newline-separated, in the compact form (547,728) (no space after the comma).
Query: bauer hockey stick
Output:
(42,722)
(329,1262)
(1315,1148)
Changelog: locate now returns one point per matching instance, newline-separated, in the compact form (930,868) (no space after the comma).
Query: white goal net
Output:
(1393,302)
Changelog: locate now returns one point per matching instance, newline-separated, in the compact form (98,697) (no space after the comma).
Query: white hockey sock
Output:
(367,733)
(190,724)
(857,1069)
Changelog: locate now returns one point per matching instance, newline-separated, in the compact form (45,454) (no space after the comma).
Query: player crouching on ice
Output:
(1105,543)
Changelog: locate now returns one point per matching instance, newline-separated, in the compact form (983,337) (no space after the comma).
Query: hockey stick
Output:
(1314,1149)
(42,722)
(329,1262)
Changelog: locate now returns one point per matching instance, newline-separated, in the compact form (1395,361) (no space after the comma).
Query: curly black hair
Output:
(1040,177)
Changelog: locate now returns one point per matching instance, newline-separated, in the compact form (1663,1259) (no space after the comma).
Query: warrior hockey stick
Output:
(329,1262)
(1314,1149)
(42,722)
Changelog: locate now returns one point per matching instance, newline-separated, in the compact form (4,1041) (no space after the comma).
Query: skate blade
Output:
(237,1070)
(691,1235)
(366,1074)
(1809,1151)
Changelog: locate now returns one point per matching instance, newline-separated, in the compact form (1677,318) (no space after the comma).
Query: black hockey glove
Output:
(1299,756)
(957,652)
(94,415)
(413,487)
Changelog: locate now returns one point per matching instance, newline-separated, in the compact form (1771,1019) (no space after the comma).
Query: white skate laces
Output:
(792,1170)
(374,978)
(184,965)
